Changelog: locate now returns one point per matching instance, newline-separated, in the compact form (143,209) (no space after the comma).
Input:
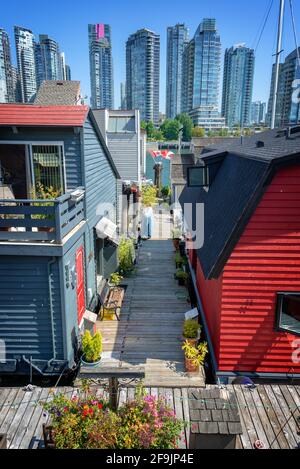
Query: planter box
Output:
(48,437)
(190,367)
(3,441)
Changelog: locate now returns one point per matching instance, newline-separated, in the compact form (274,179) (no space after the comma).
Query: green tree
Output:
(198,132)
(170,129)
(187,123)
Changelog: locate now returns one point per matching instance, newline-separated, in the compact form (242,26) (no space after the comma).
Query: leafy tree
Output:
(187,123)
(223,132)
(198,132)
(170,129)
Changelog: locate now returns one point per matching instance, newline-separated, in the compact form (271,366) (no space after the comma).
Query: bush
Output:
(190,329)
(89,423)
(126,255)
(149,195)
(166,191)
(180,274)
(91,347)
(116,279)
(195,354)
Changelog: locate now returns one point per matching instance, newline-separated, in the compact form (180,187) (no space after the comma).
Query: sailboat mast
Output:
(278,53)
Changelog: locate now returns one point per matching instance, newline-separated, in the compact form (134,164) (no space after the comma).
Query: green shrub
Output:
(178,258)
(149,195)
(166,191)
(190,329)
(115,279)
(180,274)
(91,346)
(195,354)
(126,254)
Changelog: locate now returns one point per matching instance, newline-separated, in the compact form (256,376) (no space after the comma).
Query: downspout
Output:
(50,263)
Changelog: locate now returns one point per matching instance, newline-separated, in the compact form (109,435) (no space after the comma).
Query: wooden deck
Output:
(149,335)
(269,413)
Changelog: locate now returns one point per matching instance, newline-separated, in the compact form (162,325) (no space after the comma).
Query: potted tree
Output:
(91,348)
(191,331)
(176,237)
(115,280)
(194,356)
(182,277)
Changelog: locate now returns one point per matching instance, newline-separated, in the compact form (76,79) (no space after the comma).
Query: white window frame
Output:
(29,155)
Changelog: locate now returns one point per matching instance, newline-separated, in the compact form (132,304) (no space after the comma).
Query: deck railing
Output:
(39,220)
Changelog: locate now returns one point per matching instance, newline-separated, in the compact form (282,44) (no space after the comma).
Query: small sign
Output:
(193,314)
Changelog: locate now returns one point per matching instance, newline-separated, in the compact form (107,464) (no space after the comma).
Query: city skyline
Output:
(235,26)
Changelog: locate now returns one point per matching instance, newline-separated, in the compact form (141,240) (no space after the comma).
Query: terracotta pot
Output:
(193,342)
(190,367)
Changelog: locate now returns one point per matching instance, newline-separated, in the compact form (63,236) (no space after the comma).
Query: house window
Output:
(121,125)
(198,176)
(48,169)
(288,312)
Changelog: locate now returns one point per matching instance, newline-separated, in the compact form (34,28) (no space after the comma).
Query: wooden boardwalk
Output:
(149,336)
(269,413)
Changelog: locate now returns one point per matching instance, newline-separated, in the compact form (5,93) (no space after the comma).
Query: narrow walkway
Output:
(149,336)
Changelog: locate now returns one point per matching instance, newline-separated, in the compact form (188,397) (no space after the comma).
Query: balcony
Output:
(45,221)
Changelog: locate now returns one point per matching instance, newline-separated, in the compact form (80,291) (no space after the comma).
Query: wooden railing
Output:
(39,220)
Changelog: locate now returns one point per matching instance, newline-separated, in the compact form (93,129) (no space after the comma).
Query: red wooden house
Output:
(247,273)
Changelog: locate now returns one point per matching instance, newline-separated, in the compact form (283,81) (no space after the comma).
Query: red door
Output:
(80,284)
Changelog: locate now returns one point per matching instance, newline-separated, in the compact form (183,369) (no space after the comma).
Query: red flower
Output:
(85,413)
(100,406)
(91,411)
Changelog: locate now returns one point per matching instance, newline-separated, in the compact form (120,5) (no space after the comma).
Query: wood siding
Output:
(25,311)
(124,149)
(210,292)
(100,179)
(265,261)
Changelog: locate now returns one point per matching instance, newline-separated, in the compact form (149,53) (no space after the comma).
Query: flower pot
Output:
(89,364)
(193,342)
(190,366)
(48,437)
(181,282)
(176,244)
(3,442)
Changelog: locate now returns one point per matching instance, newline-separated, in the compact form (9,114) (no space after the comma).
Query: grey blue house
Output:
(57,181)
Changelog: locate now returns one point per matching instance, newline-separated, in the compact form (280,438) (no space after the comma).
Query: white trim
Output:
(31,142)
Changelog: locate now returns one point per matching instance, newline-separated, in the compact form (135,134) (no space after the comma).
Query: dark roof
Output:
(214,412)
(58,93)
(179,166)
(244,174)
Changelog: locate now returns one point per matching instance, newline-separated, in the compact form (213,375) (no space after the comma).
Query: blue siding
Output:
(72,147)
(100,179)
(25,320)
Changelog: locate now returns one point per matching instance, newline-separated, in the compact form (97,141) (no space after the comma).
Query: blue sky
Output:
(66,21)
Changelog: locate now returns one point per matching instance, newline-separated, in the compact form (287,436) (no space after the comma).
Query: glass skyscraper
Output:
(101,66)
(7,93)
(25,49)
(177,39)
(258,112)
(142,74)
(287,109)
(49,65)
(238,85)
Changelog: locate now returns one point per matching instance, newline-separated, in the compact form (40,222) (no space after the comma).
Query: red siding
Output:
(210,292)
(266,260)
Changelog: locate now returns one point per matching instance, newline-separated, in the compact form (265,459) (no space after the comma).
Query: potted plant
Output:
(115,279)
(191,331)
(178,260)
(182,277)
(126,255)
(176,237)
(194,356)
(45,193)
(91,348)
